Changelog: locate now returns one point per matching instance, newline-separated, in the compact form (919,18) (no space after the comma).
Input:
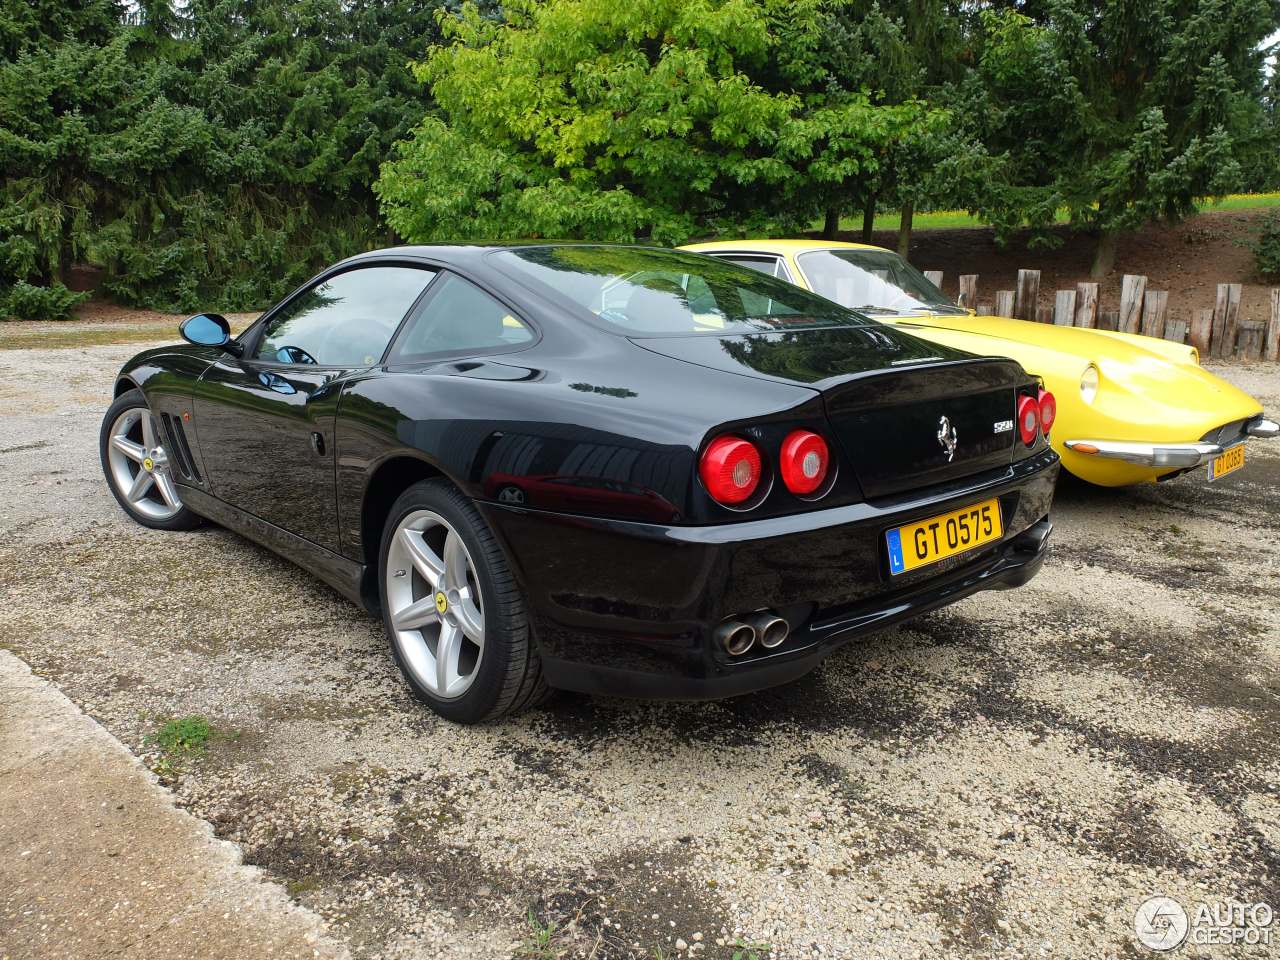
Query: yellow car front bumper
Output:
(1163,457)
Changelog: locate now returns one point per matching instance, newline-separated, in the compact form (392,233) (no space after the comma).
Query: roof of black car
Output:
(470,249)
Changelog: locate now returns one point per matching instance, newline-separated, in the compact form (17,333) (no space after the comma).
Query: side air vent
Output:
(177,438)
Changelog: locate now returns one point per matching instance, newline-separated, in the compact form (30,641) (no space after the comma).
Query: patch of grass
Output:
(96,336)
(960,219)
(1245,201)
(748,950)
(298,887)
(180,739)
(542,941)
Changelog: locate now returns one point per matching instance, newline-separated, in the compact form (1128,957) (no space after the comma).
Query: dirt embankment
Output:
(1189,260)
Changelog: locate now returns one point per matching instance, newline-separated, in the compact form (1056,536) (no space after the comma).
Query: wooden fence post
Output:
(1251,340)
(1027,295)
(934,277)
(1086,305)
(1109,320)
(1271,339)
(1132,290)
(1226,319)
(1064,308)
(985,309)
(1155,305)
(1004,303)
(969,291)
(1175,330)
(1201,332)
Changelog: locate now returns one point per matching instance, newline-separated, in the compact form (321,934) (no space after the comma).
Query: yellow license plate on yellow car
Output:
(1229,462)
(928,541)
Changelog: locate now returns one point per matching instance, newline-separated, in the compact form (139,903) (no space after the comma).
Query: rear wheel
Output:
(452,609)
(136,465)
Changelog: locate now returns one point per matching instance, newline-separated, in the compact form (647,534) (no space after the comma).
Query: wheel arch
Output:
(123,386)
(389,479)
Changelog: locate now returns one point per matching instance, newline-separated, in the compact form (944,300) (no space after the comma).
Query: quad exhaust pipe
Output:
(770,628)
(739,635)
(736,637)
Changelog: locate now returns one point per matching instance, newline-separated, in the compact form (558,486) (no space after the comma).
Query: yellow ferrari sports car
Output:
(1130,409)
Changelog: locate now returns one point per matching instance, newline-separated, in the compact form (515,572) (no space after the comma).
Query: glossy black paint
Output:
(258,429)
(604,622)
(581,448)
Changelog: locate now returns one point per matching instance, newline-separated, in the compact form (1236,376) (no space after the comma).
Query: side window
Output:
(459,318)
(346,321)
(770,265)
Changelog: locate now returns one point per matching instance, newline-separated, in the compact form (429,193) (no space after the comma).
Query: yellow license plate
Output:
(928,541)
(1229,462)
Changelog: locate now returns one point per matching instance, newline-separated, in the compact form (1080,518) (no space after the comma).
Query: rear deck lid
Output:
(907,413)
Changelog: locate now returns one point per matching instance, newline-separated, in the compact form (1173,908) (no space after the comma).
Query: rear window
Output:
(652,292)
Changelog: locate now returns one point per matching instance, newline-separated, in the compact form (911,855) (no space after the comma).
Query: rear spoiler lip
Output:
(932,364)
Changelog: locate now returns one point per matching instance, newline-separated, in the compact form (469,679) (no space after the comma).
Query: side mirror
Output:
(208,330)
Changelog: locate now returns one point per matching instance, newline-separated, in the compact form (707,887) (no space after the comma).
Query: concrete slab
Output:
(96,860)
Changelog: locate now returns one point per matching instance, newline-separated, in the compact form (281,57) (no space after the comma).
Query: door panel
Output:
(266,432)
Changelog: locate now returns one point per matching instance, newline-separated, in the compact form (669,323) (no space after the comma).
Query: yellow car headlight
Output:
(1089,383)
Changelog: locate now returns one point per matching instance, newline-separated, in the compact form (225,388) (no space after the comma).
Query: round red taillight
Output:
(1028,420)
(803,462)
(730,469)
(1048,411)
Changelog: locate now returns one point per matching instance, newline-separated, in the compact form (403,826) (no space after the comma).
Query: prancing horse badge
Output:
(947,437)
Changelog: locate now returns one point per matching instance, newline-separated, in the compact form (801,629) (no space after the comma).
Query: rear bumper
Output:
(628,609)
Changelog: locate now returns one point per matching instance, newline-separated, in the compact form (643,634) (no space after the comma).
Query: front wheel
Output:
(452,609)
(136,465)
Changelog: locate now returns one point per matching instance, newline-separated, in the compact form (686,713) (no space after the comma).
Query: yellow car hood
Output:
(1147,392)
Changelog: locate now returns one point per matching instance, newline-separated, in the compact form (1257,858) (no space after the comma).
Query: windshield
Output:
(875,281)
(641,291)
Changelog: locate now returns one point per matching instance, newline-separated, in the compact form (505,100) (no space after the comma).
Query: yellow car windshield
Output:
(872,281)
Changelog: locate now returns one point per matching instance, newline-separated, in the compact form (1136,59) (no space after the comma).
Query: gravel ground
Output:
(1010,777)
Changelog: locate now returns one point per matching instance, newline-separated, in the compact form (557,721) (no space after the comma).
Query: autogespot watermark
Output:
(1162,923)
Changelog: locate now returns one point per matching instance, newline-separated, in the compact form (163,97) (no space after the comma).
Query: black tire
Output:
(509,674)
(184,519)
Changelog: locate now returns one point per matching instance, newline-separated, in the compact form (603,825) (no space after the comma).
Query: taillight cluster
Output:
(1036,414)
(732,468)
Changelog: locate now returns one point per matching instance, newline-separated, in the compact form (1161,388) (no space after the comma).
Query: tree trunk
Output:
(1104,255)
(869,216)
(904,229)
(831,229)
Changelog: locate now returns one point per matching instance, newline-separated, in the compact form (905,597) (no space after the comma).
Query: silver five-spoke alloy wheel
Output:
(436,609)
(140,466)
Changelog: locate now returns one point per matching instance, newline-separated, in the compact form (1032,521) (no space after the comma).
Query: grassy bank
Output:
(959,219)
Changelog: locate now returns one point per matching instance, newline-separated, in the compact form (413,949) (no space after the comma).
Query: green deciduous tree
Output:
(663,120)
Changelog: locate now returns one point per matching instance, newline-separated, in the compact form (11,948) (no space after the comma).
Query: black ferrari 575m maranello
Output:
(609,469)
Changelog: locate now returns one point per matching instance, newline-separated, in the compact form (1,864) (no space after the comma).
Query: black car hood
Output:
(808,357)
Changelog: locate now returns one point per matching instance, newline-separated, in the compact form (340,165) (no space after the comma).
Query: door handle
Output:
(317,443)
